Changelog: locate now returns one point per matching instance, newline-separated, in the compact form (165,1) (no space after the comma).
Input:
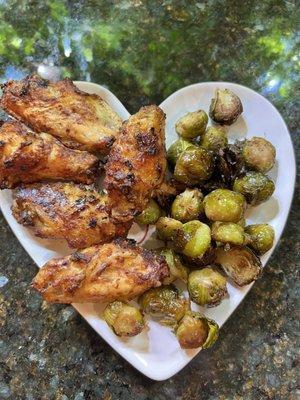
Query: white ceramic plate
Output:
(156,352)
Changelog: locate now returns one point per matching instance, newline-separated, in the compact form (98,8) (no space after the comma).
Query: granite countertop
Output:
(143,51)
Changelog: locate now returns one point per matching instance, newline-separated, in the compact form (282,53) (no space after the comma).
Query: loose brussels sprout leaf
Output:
(191,125)
(213,333)
(214,138)
(198,238)
(165,304)
(194,165)
(206,286)
(261,237)
(255,187)
(259,154)
(177,269)
(187,205)
(239,263)
(150,214)
(192,331)
(227,232)
(225,107)
(125,320)
(224,205)
(176,149)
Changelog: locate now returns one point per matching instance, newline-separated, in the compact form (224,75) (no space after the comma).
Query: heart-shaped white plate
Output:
(156,352)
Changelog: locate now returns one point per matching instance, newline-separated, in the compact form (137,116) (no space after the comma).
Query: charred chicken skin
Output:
(26,157)
(80,120)
(119,270)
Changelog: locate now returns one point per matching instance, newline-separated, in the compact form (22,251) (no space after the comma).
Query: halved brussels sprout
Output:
(255,187)
(198,238)
(195,330)
(227,232)
(194,165)
(214,138)
(176,267)
(259,154)
(164,303)
(187,205)
(192,124)
(239,263)
(177,148)
(225,107)
(150,214)
(261,237)
(206,286)
(124,319)
(224,205)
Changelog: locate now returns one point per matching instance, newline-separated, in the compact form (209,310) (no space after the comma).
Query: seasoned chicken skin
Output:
(137,163)
(120,270)
(80,120)
(28,157)
(76,213)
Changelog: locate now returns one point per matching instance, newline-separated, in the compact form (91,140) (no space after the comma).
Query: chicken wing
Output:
(76,213)
(27,157)
(114,271)
(80,120)
(137,163)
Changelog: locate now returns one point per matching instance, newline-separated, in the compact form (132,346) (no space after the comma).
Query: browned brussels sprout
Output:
(177,148)
(239,263)
(192,124)
(187,205)
(194,165)
(177,269)
(168,228)
(195,330)
(214,138)
(259,154)
(260,237)
(206,286)
(150,214)
(255,187)
(125,320)
(227,232)
(225,107)
(198,238)
(164,303)
(224,205)
(207,258)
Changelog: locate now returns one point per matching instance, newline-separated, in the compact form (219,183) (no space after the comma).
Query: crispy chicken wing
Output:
(28,157)
(80,120)
(137,163)
(76,213)
(114,271)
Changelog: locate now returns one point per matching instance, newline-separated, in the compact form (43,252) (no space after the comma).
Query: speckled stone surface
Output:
(143,51)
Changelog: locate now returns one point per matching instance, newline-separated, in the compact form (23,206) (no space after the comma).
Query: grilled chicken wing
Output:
(80,120)
(114,271)
(137,163)
(27,157)
(76,213)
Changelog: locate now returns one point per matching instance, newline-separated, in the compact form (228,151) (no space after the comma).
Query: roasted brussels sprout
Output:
(261,237)
(164,303)
(239,263)
(202,261)
(214,138)
(227,232)
(168,228)
(193,166)
(255,187)
(198,238)
(225,107)
(206,286)
(176,267)
(224,205)
(195,330)
(187,205)
(150,214)
(125,320)
(177,148)
(259,154)
(192,124)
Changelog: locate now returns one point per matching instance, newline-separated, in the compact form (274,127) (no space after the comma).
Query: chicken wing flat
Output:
(80,120)
(76,213)
(27,157)
(137,163)
(119,270)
